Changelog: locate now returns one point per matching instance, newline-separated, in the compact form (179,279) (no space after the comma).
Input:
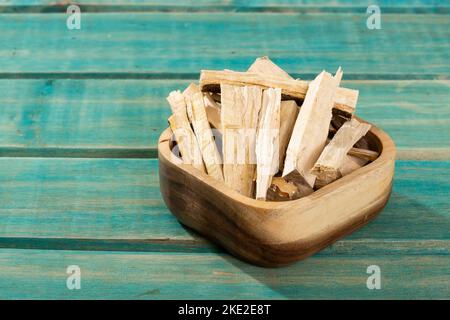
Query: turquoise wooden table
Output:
(81,111)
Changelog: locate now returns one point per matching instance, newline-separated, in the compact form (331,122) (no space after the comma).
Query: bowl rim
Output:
(386,144)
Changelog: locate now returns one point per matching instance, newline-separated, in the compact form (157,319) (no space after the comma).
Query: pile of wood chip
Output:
(246,129)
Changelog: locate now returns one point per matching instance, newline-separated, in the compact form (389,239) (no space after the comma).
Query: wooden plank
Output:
(259,3)
(127,48)
(88,203)
(93,117)
(84,113)
(41,274)
(215,5)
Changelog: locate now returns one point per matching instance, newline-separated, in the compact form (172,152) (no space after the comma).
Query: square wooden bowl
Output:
(276,233)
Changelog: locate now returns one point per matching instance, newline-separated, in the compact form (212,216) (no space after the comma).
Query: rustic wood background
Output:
(81,111)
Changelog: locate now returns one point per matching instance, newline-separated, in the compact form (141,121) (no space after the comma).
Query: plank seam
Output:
(361,247)
(63,152)
(61,8)
(420,154)
(194,76)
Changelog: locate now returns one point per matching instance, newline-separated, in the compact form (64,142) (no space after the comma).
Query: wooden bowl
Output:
(276,233)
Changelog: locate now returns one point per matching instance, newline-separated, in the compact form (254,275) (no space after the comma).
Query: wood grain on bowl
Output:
(276,233)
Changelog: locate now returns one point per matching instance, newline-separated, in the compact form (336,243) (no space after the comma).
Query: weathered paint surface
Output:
(81,112)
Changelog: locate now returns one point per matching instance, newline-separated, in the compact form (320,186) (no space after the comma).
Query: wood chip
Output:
(344,102)
(332,158)
(364,154)
(179,123)
(350,164)
(282,190)
(267,141)
(288,115)
(266,66)
(209,101)
(187,94)
(253,117)
(311,127)
(303,188)
(203,133)
(337,121)
(184,143)
(289,109)
(211,107)
(239,117)
(360,150)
